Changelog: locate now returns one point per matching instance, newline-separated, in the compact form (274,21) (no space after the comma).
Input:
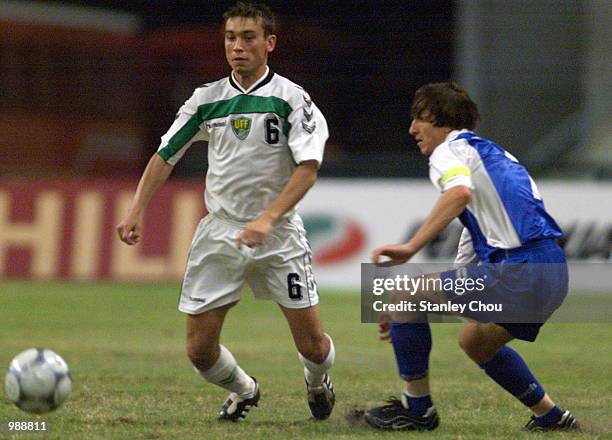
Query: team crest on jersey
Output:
(241,126)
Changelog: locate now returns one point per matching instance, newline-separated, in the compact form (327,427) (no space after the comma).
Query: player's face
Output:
(427,135)
(246,46)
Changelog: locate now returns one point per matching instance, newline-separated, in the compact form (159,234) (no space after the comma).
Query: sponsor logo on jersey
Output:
(241,126)
(210,125)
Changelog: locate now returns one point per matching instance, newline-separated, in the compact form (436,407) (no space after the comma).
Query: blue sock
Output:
(550,418)
(509,370)
(417,406)
(411,345)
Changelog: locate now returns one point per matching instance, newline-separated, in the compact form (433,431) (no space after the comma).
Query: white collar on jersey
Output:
(453,134)
(449,138)
(255,84)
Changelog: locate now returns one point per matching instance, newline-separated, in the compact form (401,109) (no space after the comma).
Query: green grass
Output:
(125,346)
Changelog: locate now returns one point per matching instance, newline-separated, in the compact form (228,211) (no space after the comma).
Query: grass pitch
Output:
(132,380)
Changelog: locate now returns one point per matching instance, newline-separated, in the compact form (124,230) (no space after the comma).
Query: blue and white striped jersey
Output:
(506,209)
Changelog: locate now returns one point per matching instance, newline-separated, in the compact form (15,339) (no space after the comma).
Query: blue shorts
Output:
(520,288)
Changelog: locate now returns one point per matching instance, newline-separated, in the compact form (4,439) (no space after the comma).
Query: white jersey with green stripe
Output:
(256,137)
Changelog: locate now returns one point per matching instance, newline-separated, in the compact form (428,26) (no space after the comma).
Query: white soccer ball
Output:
(38,380)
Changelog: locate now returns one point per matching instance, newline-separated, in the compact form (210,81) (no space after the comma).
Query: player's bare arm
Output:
(450,204)
(302,179)
(153,177)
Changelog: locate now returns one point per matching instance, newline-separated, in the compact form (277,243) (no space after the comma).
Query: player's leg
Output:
(410,336)
(315,347)
(316,351)
(486,345)
(216,364)
(213,361)
(284,273)
(212,285)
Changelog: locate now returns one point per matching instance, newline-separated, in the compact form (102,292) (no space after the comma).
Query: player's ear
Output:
(270,42)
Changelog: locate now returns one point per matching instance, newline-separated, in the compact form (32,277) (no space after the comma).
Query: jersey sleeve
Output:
(184,131)
(465,250)
(308,132)
(447,169)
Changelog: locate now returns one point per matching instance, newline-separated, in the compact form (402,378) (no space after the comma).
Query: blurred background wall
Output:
(128,66)
(89,86)
(103,79)
(541,72)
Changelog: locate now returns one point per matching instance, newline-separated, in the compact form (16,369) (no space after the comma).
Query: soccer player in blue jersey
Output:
(505,223)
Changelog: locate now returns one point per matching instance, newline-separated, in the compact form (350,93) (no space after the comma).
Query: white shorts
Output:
(280,269)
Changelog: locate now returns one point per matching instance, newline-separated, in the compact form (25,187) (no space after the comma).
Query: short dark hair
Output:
(253,10)
(445,104)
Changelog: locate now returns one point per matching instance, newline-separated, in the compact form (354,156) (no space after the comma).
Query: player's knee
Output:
(471,343)
(466,341)
(476,345)
(201,354)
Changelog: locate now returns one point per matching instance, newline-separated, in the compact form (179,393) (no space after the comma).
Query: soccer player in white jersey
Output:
(508,231)
(265,144)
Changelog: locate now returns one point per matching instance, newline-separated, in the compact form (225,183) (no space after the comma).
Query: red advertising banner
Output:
(66,229)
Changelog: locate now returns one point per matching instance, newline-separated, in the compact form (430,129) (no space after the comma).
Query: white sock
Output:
(227,374)
(314,373)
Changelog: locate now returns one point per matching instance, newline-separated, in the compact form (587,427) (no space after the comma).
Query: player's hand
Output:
(129,229)
(397,253)
(384,327)
(254,233)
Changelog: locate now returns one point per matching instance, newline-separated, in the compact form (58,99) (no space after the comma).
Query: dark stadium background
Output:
(539,71)
(362,62)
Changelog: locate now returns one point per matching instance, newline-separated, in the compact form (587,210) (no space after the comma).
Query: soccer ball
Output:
(38,380)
